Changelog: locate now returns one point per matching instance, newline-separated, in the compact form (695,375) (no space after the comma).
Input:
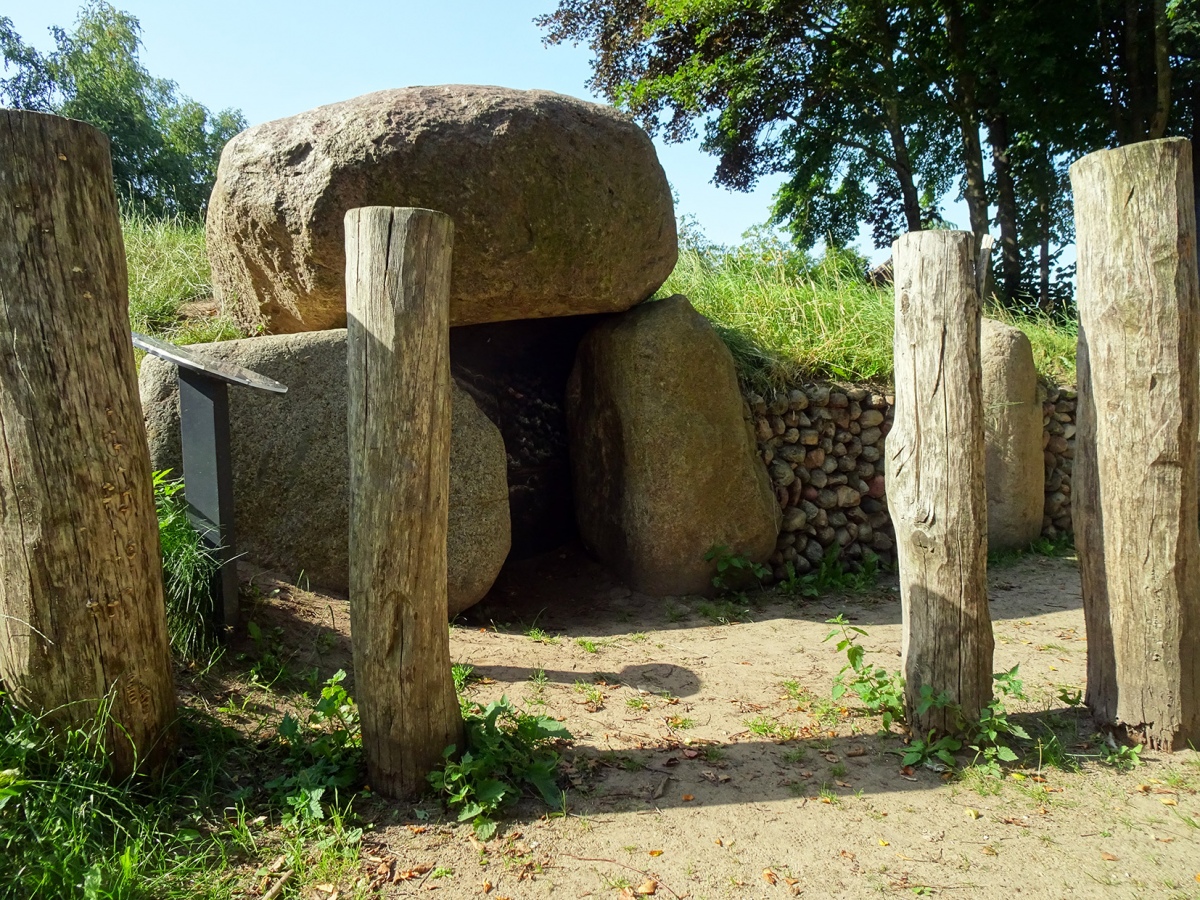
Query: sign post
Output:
(207,460)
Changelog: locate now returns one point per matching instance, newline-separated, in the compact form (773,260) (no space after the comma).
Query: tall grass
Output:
(168,269)
(786,319)
(188,569)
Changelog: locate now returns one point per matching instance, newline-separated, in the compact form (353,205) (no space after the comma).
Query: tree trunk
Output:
(936,475)
(397,303)
(975,186)
(1006,207)
(1162,71)
(1137,499)
(903,168)
(1133,72)
(81,595)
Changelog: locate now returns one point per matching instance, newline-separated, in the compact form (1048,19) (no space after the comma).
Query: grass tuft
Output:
(168,271)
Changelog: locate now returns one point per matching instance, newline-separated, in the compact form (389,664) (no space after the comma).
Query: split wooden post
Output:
(1136,497)
(81,594)
(936,477)
(398,347)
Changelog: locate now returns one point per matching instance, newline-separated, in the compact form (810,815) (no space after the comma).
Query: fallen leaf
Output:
(989,850)
(770,877)
(804,773)
(691,754)
(325,888)
(883,843)
(857,751)
(827,800)
(688,798)
(907,770)
(846,854)
(1108,857)
(487,887)
(1143,788)
(417,829)
(830,757)
(1168,801)
(974,813)
(844,784)
(792,881)
(1165,840)
(647,887)
(656,853)
(719,842)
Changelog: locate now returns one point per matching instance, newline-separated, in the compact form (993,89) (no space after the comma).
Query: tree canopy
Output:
(874,110)
(165,146)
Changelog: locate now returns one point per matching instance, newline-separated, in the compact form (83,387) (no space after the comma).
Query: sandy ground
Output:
(675,783)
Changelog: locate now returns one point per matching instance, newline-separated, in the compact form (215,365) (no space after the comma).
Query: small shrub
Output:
(734,571)
(881,691)
(507,750)
(324,754)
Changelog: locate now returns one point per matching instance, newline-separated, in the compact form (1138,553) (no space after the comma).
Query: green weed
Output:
(880,691)
(324,755)
(506,751)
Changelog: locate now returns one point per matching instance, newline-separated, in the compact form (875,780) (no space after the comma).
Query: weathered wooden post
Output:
(936,476)
(398,310)
(81,595)
(1136,497)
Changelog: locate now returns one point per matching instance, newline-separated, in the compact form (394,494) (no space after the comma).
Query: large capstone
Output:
(560,207)
(662,454)
(1012,420)
(291,467)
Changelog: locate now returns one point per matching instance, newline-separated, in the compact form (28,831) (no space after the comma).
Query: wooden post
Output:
(936,477)
(81,595)
(1135,506)
(398,344)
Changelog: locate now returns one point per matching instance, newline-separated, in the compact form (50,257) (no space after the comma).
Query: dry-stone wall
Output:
(823,448)
(1058,452)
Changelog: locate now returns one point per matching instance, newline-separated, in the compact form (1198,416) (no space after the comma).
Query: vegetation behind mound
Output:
(784,317)
(787,319)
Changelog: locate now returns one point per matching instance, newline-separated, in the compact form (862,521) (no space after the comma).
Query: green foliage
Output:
(165,146)
(168,268)
(324,755)
(734,570)
(787,319)
(880,691)
(507,750)
(188,568)
(1122,757)
(830,576)
(991,735)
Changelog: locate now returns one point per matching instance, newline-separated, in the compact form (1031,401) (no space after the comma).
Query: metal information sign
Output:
(207,465)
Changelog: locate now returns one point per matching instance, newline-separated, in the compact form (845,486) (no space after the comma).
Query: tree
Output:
(875,109)
(165,146)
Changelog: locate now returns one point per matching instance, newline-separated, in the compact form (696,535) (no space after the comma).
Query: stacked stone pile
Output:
(823,448)
(1058,451)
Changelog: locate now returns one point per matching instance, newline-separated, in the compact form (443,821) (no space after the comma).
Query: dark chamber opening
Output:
(517,372)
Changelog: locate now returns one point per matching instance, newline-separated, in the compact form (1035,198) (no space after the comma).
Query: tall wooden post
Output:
(1135,506)
(81,596)
(398,344)
(936,476)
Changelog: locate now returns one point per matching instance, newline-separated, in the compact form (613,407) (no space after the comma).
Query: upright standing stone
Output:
(1012,433)
(936,476)
(398,345)
(662,456)
(1136,494)
(81,595)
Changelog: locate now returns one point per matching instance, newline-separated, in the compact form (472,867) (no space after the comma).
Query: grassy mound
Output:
(786,319)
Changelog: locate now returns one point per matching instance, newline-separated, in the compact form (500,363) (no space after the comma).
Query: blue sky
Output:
(274,59)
